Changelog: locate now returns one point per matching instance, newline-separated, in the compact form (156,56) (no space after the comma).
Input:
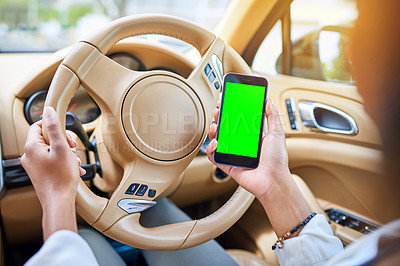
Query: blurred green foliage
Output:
(30,14)
(78,11)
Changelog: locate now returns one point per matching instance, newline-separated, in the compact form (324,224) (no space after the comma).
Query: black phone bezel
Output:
(232,159)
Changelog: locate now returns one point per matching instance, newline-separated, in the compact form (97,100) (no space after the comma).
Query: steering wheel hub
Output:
(163,117)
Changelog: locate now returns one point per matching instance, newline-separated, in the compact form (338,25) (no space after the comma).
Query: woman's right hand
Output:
(271,182)
(273,164)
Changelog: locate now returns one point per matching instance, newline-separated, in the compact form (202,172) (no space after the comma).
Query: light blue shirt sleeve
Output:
(314,245)
(64,247)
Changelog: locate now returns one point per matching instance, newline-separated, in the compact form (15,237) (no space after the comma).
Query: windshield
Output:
(48,25)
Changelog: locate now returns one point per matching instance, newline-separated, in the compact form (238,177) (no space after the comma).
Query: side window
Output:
(319,33)
(269,51)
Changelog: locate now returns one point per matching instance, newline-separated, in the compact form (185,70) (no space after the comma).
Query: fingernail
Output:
(49,112)
(79,160)
(69,137)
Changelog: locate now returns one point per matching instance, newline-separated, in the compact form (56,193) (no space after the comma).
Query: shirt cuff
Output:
(64,247)
(314,245)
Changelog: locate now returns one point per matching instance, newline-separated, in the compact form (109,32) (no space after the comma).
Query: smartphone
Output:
(241,120)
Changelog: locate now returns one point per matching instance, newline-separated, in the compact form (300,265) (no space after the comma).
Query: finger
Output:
(53,127)
(213,131)
(71,141)
(216,111)
(210,154)
(35,132)
(216,114)
(273,121)
(34,137)
(77,156)
(211,147)
(82,171)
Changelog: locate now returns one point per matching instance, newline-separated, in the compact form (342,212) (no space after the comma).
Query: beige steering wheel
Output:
(150,153)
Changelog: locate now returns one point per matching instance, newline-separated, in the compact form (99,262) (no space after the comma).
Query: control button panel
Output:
(291,109)
(211,77)
(132,188)
(152,193)
(217,65)
(135,205)
(214,71)
(142,189)
(207,70)
(352,221)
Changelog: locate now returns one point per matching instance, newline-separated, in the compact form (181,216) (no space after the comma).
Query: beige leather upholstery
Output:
(148,154)
(246,258)
(308,195)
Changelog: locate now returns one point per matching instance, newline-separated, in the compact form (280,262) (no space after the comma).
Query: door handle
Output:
(326,118)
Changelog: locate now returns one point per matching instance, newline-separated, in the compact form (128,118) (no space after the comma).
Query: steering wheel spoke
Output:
(105,80)
(141,185)
(208,74)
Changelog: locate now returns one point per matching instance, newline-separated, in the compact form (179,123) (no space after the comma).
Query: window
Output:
(269,51)
(319,33)
(46,25)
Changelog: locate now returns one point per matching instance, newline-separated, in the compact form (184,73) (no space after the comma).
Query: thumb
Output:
(53,128)
(210,153)
(273,121)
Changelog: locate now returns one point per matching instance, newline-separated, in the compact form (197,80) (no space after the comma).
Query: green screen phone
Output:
(241,120)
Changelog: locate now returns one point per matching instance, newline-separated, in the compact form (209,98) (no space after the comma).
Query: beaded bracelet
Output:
(285,236)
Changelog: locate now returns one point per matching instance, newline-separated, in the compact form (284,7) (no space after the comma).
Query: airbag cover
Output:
(163,117)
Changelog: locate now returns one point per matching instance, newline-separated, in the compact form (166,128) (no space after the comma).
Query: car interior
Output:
(121,93)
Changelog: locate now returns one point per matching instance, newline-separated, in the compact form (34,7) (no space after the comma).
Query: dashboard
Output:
(82,105)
